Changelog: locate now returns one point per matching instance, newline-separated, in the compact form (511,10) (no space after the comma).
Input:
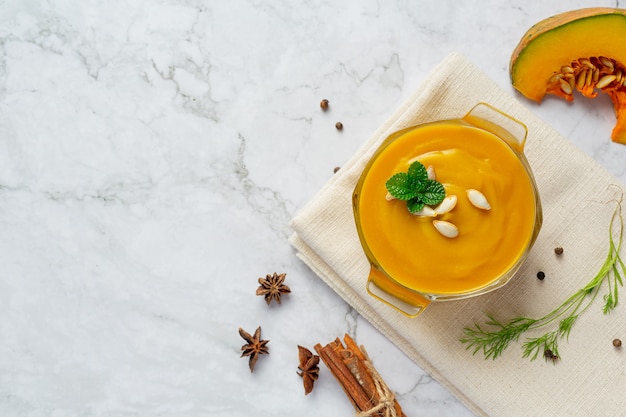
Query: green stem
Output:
(493,342)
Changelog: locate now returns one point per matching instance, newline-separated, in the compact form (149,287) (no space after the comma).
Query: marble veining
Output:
(152,153)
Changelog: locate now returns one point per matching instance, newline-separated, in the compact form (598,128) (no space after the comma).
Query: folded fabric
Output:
(578,198)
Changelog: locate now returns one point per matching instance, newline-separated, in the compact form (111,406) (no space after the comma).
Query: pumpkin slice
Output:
(581,50)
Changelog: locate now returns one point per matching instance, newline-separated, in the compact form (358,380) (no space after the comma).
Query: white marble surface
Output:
(152,153)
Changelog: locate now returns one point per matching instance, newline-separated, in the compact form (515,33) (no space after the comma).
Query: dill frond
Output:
(495,336)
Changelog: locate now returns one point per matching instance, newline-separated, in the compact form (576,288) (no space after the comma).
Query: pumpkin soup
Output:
(494,214)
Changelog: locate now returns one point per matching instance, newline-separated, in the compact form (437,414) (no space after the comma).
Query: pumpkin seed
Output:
(426,211)
(446,205)
(566,69)
(446,229)
(586,62)
(478,199)
(589,77)
(606,80)
(607,63)
(431,172)
(555,78)
(580,81)
(565,87)
(389,197)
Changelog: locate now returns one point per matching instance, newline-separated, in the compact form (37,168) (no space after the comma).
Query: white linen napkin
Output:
(578,200)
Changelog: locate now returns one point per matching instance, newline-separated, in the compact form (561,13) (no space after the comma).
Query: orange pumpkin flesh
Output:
(581,50)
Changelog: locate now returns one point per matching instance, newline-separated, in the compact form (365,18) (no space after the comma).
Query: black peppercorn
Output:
(617,343)
(541,275)
(324,104)
(339,125)
(335,170)
(558,250)
(547,354)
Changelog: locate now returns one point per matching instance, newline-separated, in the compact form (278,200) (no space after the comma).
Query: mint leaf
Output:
(415,188)
(433,193)
(417,172)
(401,186)
(415,204)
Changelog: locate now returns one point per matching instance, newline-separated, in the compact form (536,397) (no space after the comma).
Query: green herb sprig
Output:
(494,340)
(415,188)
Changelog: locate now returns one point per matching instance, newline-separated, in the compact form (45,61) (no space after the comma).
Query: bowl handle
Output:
(487,117)
(409,303)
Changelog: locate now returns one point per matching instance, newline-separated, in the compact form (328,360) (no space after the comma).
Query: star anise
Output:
(272,287)
(255,346)
(308,368)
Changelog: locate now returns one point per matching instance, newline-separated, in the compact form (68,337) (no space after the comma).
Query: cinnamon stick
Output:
(360,372)
(352,368)
(396,405)
(351,345)
(348,382)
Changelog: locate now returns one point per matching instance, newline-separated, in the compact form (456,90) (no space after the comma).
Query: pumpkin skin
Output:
(581,50)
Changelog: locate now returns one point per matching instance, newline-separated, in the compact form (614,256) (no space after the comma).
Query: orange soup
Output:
(489,242)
